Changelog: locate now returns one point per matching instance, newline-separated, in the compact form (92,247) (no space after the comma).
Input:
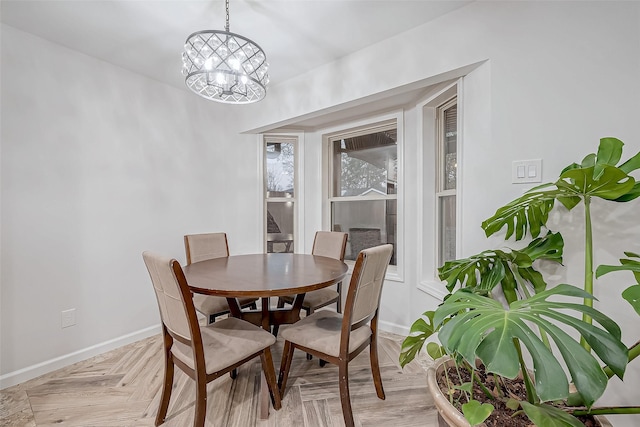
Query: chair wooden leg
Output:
(375,367)
(309,313)
(339,300)
(201,401)
(276,327)
(285,365)
(165,395)
(345,399)
(270,376)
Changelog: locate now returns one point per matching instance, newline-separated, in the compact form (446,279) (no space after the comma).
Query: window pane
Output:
(368,222)
(366,164)
(450,139)
(447,228)
(279,227)
(280,169)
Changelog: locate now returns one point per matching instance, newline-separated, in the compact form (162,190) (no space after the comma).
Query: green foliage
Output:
(420,331)
(471,325)
(626,264)
(549,416)
(475,412)
(529,212)
(482,272)
(468,387)
(512,404)
(435,351)
(482,328)
(632,293)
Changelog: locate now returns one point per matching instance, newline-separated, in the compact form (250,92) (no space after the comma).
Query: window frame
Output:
(440,191)
(296,199)
(428,280)
(367,125)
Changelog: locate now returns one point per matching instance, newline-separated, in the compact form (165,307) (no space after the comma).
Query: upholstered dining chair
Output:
(201,247)
(338,338)
(331,244)
(203,353)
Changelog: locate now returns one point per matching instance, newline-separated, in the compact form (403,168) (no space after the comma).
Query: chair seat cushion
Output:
(226,342)
(209,304)
(317,298)
(321,332)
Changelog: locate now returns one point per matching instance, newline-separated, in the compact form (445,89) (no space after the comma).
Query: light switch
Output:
(523,171)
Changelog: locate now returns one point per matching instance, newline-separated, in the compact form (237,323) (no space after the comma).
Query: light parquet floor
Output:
(121,388)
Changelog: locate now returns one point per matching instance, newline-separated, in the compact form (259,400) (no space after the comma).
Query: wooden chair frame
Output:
(187,249)
(344,357)
(307,308)
(199,374)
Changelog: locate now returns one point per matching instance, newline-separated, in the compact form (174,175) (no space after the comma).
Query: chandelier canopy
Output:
(225,67)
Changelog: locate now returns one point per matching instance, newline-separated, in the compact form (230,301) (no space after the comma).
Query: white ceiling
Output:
(147,36)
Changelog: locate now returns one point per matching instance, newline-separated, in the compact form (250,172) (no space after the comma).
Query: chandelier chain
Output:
(226,27)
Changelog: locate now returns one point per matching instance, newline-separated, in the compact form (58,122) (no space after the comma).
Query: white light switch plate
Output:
(523,171)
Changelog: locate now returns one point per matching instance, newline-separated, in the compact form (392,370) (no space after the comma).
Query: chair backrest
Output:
(174,297)
(201,247)
(365,288)
(331,244)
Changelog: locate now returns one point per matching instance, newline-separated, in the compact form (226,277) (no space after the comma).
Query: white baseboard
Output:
(30,372)
(393,328)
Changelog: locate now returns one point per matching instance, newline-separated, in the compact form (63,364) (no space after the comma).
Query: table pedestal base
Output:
(266,318)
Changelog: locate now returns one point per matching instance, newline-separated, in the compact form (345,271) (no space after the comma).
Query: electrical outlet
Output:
(68,318)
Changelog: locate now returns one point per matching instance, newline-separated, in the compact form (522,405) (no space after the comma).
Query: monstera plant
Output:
(499,308)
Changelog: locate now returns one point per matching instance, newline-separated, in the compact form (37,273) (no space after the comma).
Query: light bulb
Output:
(220,78)
(208,64)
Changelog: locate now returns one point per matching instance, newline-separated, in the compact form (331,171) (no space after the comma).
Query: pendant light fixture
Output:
(225,67)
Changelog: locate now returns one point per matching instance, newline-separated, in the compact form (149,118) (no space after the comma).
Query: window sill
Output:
(433,288)
(392,274)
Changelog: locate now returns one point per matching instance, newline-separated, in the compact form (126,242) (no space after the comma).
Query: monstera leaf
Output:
(528,212)
(482,272)
(480,327)
(420,331)
(632,293)
(549,416)
(626,264)
(596,176)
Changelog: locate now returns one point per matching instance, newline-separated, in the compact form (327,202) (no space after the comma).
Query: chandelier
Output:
(225,67)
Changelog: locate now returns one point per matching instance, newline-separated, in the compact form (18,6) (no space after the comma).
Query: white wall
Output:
(83,189)
(99,164)
(558,76)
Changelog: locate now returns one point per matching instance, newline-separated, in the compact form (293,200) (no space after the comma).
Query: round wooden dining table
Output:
(264,276)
